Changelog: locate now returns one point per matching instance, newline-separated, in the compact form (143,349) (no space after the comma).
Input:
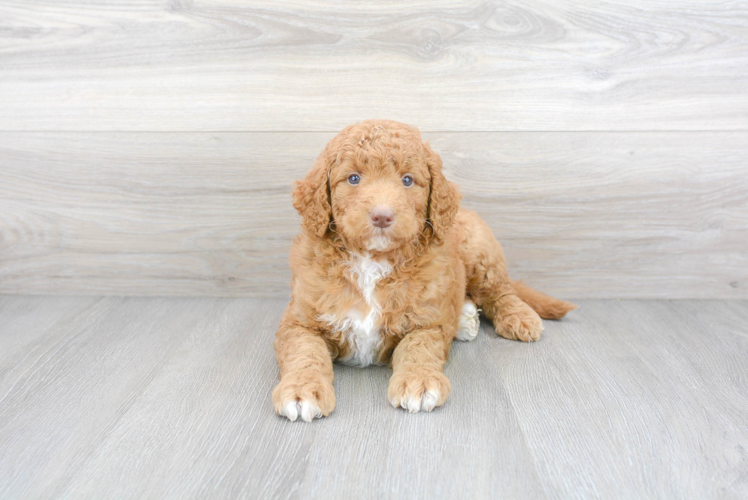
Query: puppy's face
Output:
(380,195)
(379,187)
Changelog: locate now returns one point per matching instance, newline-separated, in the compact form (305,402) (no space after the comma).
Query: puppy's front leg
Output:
(305,389)
(418,381)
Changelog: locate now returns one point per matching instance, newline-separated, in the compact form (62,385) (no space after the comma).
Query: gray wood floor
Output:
(170,398)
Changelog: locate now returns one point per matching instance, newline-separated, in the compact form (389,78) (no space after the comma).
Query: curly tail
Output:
(546,306)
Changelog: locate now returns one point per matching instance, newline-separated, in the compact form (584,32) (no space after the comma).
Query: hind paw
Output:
(520,323)
(469,322)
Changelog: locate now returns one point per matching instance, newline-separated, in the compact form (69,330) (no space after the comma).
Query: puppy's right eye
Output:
(354,179)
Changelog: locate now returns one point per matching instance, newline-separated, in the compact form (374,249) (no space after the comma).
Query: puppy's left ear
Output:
(444,199)
(311,197)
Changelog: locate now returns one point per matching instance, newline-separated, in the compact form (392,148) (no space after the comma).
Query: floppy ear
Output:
(444,199)
(311,197)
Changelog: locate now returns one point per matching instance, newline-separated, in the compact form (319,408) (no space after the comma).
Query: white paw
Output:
(307,410)
(469,322)
(414,404)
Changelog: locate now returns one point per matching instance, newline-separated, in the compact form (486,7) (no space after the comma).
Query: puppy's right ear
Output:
(444,199)
(311,197)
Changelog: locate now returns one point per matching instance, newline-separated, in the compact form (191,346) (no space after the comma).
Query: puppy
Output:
(389,269)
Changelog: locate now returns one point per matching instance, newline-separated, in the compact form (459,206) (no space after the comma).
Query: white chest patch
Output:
(362,332)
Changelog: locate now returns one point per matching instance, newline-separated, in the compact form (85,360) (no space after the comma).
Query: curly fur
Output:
(364,295)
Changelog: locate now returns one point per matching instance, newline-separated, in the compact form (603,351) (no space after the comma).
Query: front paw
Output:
(306,395)
(417,390)
(519,323)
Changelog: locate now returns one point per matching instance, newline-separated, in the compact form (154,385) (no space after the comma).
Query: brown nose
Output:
(382,216)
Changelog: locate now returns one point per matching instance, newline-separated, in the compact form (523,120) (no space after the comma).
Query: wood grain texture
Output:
(626,400)
(579,214)
(312,66)
(170,397)
(63,390)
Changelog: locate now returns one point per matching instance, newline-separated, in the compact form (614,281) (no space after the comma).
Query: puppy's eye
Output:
(407,181)
(354,179)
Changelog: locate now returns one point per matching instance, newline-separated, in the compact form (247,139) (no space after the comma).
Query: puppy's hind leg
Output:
(489,285)
(469,322)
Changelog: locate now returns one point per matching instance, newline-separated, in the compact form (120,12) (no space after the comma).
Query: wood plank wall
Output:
(148,147)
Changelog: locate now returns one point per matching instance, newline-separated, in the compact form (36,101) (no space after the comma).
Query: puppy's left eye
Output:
(407,181)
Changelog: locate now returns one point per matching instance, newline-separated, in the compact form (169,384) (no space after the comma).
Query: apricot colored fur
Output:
(437,255)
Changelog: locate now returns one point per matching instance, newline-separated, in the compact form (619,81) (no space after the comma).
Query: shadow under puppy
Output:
(389,269)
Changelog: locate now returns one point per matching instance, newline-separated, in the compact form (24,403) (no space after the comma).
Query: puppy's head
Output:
(379,187)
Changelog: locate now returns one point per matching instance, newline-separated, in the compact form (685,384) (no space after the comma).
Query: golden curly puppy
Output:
(389,269)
